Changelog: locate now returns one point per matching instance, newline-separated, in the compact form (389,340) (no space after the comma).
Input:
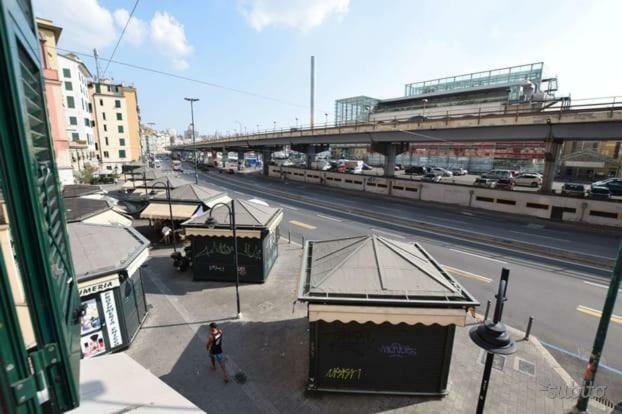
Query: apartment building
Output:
(48,38)
(74,76)
(117,122)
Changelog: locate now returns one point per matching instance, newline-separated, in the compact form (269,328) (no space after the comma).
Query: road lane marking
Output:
(537,235)
(477,255)
(330,218)
(597,313)
(579,357)
(289,207)
(466,274)
(598,285)
(303,225)
(399,236)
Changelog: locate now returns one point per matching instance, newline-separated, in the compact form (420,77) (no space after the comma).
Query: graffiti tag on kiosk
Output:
(397,350)
(346,374)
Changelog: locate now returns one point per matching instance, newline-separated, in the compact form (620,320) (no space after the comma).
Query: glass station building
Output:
(486,92)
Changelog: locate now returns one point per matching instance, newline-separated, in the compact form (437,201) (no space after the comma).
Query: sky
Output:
(259,51)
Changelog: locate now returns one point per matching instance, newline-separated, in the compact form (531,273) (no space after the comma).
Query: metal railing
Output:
(558,107)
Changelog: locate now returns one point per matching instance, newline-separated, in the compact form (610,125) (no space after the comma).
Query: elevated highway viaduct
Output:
(553,127)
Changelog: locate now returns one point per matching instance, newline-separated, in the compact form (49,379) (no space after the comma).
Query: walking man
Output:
(214,347)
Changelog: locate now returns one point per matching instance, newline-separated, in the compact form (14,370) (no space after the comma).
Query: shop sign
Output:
(98,285)
(112,319)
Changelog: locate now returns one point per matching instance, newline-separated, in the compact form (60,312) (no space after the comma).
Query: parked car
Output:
(528,180)
(485,182)
(497,174)
(600,193)
(416,170)
(613,184)
(441,171)
(431,177)
(459,171)
(573,190)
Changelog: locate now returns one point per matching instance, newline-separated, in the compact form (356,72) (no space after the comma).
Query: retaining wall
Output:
(607,213)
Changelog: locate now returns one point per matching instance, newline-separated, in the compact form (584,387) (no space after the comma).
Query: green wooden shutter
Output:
(31,188)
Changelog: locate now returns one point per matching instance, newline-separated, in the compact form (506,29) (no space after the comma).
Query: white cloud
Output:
(298,14)
(86,24)
(136,29)
(169,37)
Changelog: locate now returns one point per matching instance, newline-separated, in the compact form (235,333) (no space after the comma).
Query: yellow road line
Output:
(597,313)
(303,225)
(466,274)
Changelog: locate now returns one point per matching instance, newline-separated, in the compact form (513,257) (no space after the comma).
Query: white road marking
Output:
(289,207)
(598,285)
(477,255)
(539,236)
(330,218)
(399,236)
(467,213)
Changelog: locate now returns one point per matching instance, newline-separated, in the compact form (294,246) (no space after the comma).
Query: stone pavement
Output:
(270,346)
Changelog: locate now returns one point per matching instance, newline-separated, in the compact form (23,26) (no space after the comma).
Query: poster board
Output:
(382,358)
(212,259)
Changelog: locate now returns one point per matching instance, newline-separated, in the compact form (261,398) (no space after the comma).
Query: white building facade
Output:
(74,77)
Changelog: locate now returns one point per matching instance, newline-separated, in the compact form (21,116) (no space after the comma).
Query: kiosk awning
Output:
(161,211)
(393,315)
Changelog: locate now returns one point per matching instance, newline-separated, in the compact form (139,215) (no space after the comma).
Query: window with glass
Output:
(73,120)
(117,103)
(119,116)
(71,103)
(68,86)
(106,140)
(75,136)
(122,142)
(120,128)
(105,127)
(104,115)
(121,153)
(66,73)
(106,154)
(101,102)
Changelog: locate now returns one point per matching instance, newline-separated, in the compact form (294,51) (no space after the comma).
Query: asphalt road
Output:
(564,297)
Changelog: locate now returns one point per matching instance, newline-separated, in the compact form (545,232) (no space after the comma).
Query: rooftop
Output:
(247,214)
(372,269)
(190,193)
(79,190)
(78,209)
(98,249)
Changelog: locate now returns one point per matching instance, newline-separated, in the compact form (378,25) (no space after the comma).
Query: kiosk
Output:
(382,316)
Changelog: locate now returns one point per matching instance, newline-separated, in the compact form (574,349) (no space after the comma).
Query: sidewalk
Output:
(270,346)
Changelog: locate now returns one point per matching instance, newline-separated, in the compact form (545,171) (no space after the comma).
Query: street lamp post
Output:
(194,142)
(493,337)
(325,120)
(211,223)
(274,123)
(167,187)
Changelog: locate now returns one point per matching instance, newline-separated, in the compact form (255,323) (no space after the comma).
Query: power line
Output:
(199,81)
(121,36)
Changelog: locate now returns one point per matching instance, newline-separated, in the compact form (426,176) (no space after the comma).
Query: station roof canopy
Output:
(247,215)
(374,270)
(101,249)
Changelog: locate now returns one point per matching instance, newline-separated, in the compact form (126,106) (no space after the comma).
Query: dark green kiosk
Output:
(382,316)
(212,244)
(108,261)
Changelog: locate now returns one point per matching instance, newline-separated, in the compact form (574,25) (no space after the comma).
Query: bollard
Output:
(528,331)
(303,241)
(289,237)
(487,310)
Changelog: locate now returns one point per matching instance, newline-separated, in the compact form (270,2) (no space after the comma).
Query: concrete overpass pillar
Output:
(552,154)
(310,155)
(240,159)
(389,160)
(266,156)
